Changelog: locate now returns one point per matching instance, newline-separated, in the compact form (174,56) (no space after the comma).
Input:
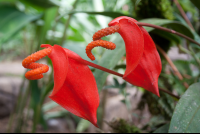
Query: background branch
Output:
(175,70)
(167,30)
(183,14)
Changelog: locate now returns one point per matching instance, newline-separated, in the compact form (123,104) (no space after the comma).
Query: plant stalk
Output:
(113,72)
(166,91)
(167,30)
(175,70)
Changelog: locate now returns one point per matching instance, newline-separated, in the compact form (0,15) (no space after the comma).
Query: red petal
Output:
(133,39)
(60,66)
(79,93)
(145,70)
(149,68)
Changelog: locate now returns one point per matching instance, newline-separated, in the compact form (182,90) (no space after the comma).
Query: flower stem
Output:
(99,67)
(169,93)
(167,30)
(115,73)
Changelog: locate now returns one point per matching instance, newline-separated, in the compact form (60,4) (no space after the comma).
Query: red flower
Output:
(143,64)
(74,84)
(75,87)
(143,61)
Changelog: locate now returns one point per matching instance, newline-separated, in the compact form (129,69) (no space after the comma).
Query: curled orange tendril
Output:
(37,69)
(98,42)
(102,43)
(106,31)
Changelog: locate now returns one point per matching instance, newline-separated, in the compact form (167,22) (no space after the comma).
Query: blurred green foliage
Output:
(26,24)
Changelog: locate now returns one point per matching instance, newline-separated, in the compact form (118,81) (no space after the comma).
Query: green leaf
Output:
(172,24)
(110,63)
(123,101)
(163,129)
(12,20)
(168,36)
(56,114)
(186,117)
(155,21)
(10,1)
(49,105)
(195,34)
(120,66)
(123,85)
(116,82)
(196,3)
(105,13)
(75,35)
(35,93)
(39,4)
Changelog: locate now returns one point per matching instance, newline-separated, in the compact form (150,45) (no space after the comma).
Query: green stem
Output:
(167,30)
(37,118)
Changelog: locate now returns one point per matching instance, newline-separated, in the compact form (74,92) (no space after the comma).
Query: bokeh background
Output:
(26,24)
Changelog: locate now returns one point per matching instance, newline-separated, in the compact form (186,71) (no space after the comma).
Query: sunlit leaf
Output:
(12,20)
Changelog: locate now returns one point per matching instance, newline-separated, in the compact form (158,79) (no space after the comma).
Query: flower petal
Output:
(79,93)
(148,70)
(145,71)
(60,65)
(133,39)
